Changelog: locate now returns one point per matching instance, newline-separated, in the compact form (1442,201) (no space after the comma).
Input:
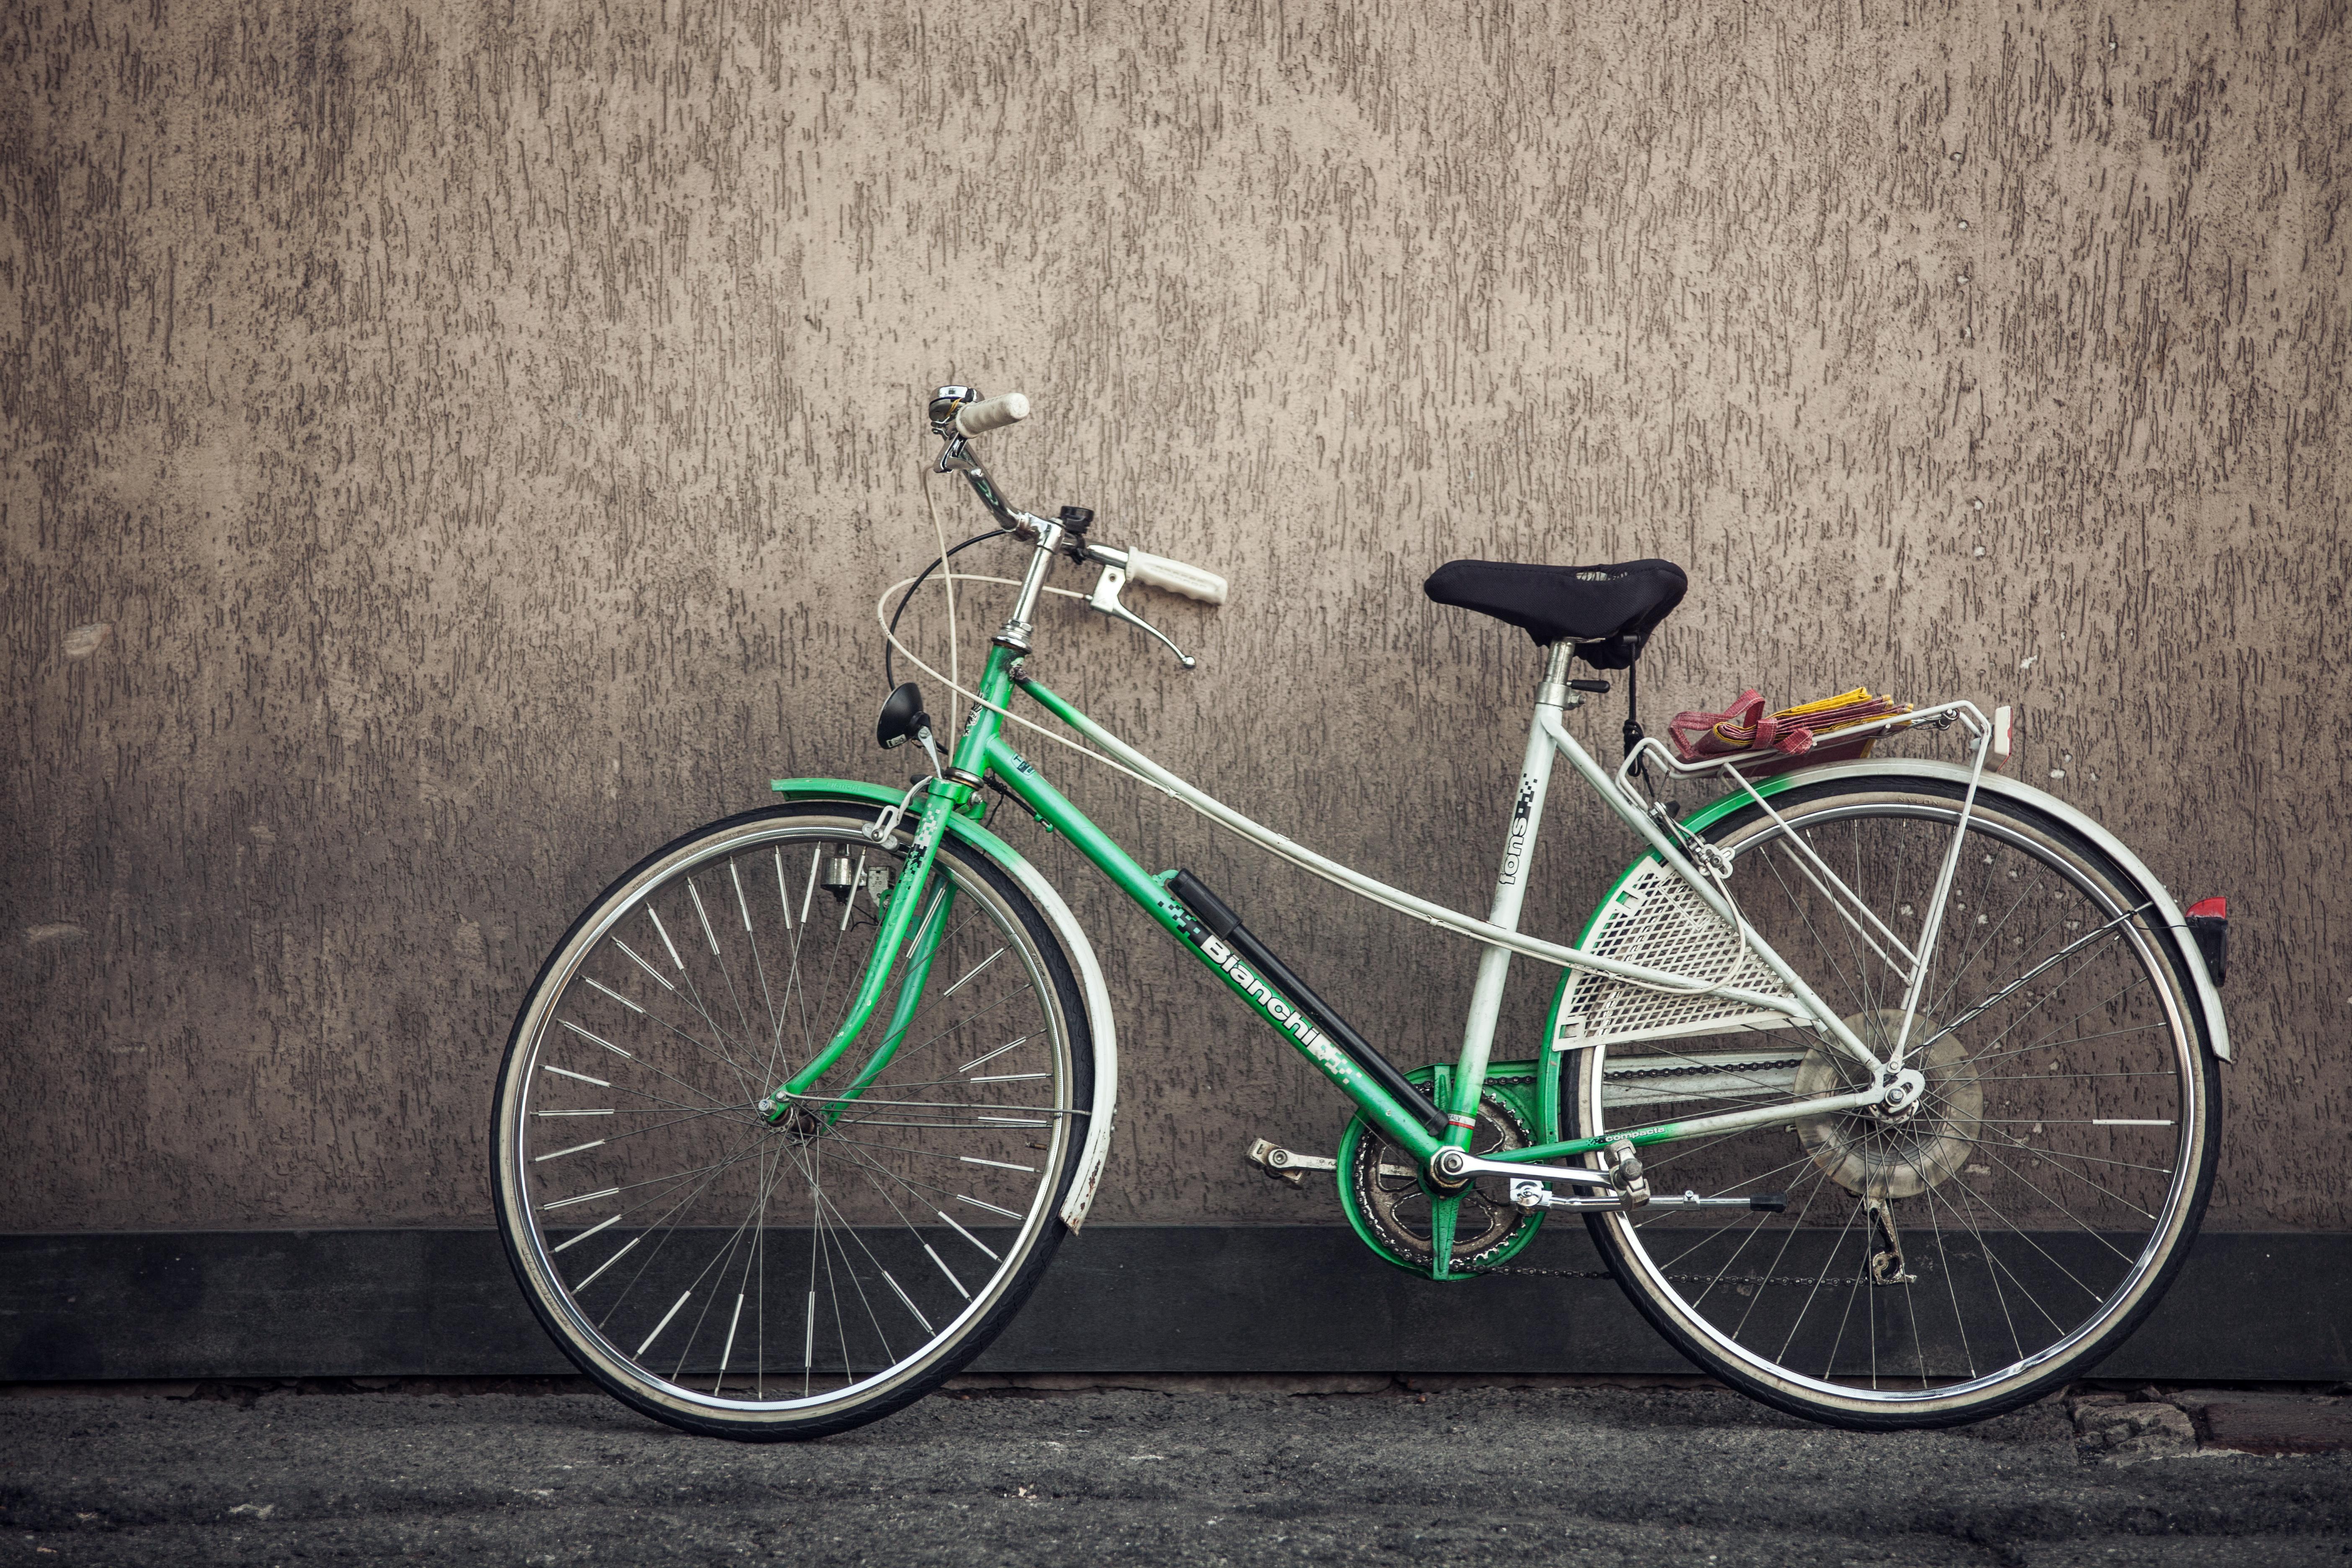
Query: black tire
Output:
(2025,1264)
(696,1187)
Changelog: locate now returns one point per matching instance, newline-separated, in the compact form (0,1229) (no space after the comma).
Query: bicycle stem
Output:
(1014,633)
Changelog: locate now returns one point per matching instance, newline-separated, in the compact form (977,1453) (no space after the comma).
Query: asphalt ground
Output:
(1586,1474)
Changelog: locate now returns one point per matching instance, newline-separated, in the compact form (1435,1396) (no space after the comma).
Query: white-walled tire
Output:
(2028,1214)
(744,1279)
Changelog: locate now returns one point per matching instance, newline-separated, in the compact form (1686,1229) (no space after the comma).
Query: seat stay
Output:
(1933,927)
(1808,1006)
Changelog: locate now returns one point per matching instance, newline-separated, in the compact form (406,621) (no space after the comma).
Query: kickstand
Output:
(1886,1246)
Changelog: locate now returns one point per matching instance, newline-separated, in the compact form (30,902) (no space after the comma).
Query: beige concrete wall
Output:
(480,434)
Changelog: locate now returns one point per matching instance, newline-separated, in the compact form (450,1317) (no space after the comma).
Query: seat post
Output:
(1553,696)
(1555,688)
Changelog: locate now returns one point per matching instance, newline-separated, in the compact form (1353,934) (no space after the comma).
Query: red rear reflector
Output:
(2210,909)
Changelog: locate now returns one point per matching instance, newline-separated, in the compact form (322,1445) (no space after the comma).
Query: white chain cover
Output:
(1658,921)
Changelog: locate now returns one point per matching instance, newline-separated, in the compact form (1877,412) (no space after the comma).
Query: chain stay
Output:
(1527,1271)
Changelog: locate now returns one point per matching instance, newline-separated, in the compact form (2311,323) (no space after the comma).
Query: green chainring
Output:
(1513,1084)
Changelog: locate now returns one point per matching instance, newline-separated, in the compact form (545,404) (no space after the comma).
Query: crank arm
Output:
(1454,1165)
(1528,1196)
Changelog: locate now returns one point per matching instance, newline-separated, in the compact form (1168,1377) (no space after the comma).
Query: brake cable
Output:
(889,640)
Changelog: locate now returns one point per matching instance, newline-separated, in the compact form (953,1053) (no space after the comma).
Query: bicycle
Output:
(1931,1167)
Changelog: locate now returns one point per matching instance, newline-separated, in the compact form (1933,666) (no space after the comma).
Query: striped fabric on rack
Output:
(1796,734)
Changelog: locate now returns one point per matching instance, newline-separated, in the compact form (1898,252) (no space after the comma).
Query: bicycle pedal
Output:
(1528,1196)
(1532,1196)
(1287,1165)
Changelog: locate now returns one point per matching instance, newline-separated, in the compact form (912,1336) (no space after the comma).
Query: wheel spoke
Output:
(2011,1211)
(723,1269)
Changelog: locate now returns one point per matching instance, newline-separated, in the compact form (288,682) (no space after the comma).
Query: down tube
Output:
(1022,777)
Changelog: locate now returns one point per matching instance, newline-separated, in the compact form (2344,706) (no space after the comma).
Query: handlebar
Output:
(1176,577)
(979,418)
(959,414)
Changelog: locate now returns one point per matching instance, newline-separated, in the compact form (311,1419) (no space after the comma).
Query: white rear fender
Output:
(2167,910)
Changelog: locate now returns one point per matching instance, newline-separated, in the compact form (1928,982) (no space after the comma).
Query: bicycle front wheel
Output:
(750,1280)
(1958,1260)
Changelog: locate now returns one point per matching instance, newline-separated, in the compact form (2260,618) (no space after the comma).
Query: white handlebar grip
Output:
(1176,577)
(979,418)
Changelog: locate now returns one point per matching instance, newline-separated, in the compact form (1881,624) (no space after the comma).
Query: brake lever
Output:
(1105,600)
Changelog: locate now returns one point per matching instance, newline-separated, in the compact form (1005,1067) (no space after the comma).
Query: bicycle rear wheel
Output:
(1996,1242)
(746,1280)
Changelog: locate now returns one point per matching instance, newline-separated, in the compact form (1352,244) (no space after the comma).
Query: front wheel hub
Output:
(796,1121)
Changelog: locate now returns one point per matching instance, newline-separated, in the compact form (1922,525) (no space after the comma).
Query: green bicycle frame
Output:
(982,753)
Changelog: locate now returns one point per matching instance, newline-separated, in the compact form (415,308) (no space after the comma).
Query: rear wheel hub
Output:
(1901,1153)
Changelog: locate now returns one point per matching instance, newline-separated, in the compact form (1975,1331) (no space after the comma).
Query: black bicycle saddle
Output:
(1618,604)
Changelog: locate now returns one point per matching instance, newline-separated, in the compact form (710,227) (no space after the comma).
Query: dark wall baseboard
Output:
(2249,1306)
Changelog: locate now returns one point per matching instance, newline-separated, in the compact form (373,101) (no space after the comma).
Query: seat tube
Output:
(1552,698)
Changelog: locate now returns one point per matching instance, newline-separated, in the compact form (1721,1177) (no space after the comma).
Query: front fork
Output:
(921,949)
(909,908)
(915,907)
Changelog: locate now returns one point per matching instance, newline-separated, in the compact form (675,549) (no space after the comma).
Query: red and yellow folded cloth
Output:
(1803,735)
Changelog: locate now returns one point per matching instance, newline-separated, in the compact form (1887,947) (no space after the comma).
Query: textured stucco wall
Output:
(482,433)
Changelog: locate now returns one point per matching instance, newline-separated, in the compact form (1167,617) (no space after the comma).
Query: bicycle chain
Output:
(1671,1278)
(1700,1068)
